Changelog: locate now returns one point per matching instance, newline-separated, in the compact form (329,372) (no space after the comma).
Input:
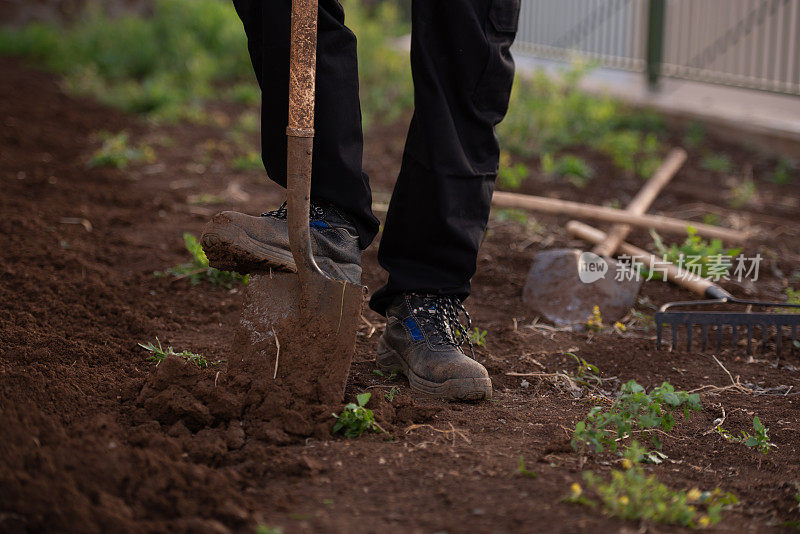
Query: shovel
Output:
(564,285)
(299,328)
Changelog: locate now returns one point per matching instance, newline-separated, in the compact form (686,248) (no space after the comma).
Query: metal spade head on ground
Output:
(300,329)
(564,285)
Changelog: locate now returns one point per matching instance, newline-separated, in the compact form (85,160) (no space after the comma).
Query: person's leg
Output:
(437,217)
(337,176)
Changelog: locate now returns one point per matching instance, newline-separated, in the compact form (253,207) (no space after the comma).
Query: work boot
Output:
(237,242)
(423,340)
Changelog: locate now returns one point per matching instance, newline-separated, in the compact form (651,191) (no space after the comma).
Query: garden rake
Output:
(686,316)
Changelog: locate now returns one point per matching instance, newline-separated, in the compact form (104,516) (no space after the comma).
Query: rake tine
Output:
(749,338)
(705,337)
(764,334)
(719,335)
(674,326)
(658,336)
(735,327)
(779,339)
(794,335)
(688,337)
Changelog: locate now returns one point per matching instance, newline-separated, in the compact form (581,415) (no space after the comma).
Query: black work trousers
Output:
(462,71)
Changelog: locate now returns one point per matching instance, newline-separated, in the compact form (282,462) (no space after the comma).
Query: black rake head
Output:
(776,320)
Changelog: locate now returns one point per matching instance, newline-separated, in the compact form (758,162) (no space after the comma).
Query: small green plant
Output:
(355,419)
(158,354)
(741,193)
(478,337)
(391,376)
(510,175)
(587,374)
(696,254)
(594,323)
(522,470)
(633,409)
(573,168)
(717,163)
(248,162)
(116,152)
(784,171)
(758,440)
(198,269)
(792,297)
(695,134)
(266,529)
(633,495)
(391,394)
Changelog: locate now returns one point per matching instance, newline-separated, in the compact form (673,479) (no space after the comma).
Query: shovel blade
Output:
(556,290)
(315,327)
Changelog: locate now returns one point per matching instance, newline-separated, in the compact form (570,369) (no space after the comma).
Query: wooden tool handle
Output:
(300,133)
(502,199)
(673,273)
(642,201)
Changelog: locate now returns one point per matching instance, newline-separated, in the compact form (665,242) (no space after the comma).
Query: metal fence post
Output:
(655,41)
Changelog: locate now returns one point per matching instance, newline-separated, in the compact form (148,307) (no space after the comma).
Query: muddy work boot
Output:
(237,242)
(422,341)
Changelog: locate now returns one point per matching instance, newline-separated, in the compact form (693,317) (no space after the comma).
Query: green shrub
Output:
(634,408)
(573,168)
(717,163)
(155,65)
(117,153)
(355,419)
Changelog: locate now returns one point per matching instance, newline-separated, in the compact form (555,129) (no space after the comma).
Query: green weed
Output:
(355,419)
(266,529)
(759,440)
(633,495)
(594,323)
(391,394)
(198,269)
(742,193)
(158,354)
(248,162)
(391,376)
(697,255)
(573,168)
(478,337)
(511,176)
(633,409)
(116,152)
(695,134)
(587,374)
(784,172)
(717,163)
(522,470)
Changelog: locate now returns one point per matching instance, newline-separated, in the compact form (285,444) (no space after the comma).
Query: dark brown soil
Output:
(95,438)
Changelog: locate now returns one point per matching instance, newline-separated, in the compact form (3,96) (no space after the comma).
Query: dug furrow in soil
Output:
(95,438)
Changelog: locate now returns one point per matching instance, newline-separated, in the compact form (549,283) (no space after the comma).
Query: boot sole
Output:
(462,389)
(230,248)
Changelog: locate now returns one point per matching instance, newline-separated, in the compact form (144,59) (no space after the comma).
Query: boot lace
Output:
(444,314)
(316,212)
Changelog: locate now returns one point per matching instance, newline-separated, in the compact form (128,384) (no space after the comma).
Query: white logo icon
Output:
(591,267)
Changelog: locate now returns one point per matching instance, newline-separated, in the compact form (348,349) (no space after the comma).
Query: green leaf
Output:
(752,441)
(363,398)
(757,424)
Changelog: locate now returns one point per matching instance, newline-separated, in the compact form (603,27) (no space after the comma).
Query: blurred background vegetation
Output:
(168,59)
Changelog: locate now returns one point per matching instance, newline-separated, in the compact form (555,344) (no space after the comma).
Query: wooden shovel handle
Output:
(642,201)
(501,199)
(674,274)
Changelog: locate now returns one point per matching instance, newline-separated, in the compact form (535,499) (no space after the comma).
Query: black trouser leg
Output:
(437,217)
(337,176)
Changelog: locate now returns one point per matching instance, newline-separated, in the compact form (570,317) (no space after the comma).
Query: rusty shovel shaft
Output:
(300,134)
